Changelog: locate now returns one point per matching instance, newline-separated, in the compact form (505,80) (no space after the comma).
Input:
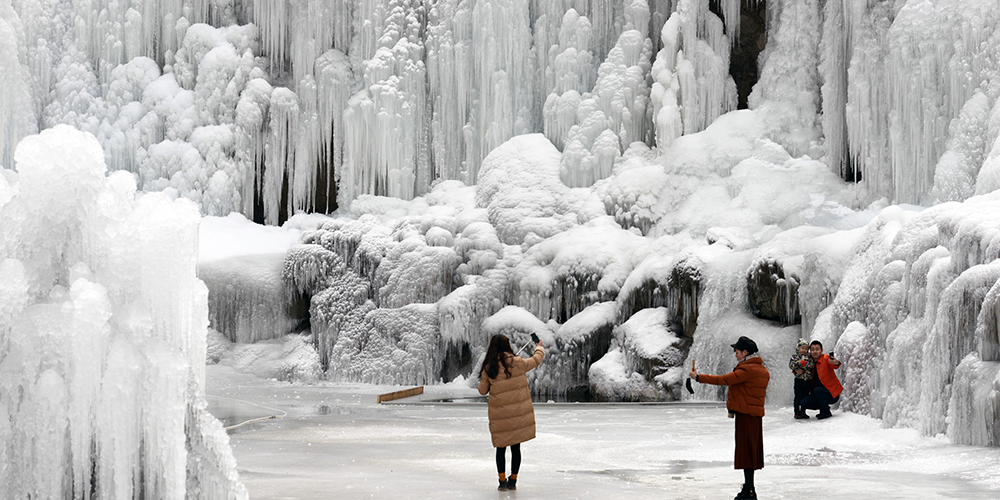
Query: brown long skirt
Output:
(749,442)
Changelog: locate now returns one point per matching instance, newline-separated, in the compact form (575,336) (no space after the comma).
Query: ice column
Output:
(789,87)
(692,86)
(449,74)
(102,334)
(614,115)
(571,73)
(386,143)
(503,69)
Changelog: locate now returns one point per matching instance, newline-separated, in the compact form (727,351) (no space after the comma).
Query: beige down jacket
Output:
(512,417)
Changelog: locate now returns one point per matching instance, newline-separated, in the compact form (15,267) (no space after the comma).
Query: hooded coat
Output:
(512,416)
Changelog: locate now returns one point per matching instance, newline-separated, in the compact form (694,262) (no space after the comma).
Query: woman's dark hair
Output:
(816,342)
(495,356)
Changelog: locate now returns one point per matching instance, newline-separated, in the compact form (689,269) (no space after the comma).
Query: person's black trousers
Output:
(820,399)
(802,388)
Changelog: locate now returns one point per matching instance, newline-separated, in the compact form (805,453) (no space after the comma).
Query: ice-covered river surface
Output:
(336,442)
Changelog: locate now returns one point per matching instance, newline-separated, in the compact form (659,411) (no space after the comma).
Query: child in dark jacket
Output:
(801,364)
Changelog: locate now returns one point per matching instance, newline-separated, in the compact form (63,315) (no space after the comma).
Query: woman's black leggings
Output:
(515,459)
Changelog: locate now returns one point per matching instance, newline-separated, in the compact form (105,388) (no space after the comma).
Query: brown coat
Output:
(747,386)
(512,417)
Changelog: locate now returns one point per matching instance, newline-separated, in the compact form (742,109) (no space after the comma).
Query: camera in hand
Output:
(831,354)
(534,338)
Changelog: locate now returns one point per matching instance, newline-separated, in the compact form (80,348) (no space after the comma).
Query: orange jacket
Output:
(824,368)
(747,386)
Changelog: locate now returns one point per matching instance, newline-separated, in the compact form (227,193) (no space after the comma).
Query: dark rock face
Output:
(679,294)
(772,295)
(457,361)
(743,58)
(565,372)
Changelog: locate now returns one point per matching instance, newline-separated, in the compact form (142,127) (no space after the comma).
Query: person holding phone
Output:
(747,390)
(826,387)
(511,414)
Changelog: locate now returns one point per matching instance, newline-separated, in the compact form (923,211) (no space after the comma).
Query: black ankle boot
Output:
(746,493)
(503,486)
(512,484)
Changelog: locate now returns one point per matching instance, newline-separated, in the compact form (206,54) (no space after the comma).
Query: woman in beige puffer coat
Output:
(512,417)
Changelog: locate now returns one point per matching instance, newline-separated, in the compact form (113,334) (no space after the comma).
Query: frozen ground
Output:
(336,443)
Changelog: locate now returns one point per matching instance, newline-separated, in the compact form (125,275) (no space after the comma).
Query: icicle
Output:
(17,118)
(335,81)
(279,151)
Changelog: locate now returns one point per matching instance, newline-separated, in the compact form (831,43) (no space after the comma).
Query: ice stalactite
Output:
(335,83)
(272,19)
(279,153)
(461,314)
(17,116)
(899,74)
(673,283)
(615,113)
(788,89)
(450,54)
(503,75)
(692,83)
(836,48)
(773,295)
(386,143)
(249,298)
(566,273)
(252,119)
(104,332)
(796,274)
(570,71)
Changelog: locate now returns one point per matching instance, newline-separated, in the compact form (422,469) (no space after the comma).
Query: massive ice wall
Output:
(270,108)
(102,335)
(916,320)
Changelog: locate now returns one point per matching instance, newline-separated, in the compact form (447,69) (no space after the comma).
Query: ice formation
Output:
(573,167)
(916,320)
(102,335)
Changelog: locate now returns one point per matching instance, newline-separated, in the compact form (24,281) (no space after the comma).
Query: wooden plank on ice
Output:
(400,394)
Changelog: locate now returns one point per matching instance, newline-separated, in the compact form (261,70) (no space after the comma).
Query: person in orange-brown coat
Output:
(512,416)
(747,389)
